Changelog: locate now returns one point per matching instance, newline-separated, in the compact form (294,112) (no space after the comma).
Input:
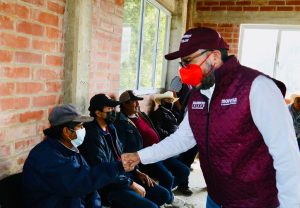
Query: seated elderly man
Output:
(55,174)
(137,131)
(295,112)
(102,145)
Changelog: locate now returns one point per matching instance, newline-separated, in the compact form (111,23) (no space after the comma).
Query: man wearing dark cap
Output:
(136,131)
(55,174)
(102,145)
(247,146)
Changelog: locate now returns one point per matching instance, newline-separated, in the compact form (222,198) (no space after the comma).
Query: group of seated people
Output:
(80,158)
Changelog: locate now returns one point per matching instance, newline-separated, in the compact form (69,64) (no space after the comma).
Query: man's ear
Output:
(97,113)
(66,132)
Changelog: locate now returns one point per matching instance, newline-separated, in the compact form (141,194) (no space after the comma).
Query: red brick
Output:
(29,87)
(43,101)
(211,3)
(267,8)
(285,8)
(48,74)
(250,8)
(292,2)
(226,3)
(6,23)
(54,60)
(21,103)
(13,41)
(36,2)
(2,136)
(234,8)
(6,56)
(30,28)
(5,150)
(56,7)
(14,72)
(54,87)
(6,89)
(297,8)
(119,2)
(31,116)
(218,8)
(48,18)
(242,2)
(53,33)
(14,9)
(276,2)
(21,145)
(24,57)
(44,45)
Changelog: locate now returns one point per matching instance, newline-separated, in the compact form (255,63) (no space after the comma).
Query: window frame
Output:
(279,27)
(138,89)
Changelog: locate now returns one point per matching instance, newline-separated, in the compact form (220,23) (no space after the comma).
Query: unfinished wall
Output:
(227,15)
(31,74)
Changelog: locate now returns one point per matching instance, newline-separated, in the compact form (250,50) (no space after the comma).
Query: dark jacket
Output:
(129,135)
(55,176)
(97,148)
(164,121)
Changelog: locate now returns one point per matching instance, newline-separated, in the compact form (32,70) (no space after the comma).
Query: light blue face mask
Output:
(80,133)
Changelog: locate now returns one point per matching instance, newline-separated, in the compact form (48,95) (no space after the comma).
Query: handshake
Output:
(130,160)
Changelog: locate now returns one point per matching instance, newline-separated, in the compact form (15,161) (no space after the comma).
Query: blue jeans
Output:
(127,198)
(169,173)
(210,203)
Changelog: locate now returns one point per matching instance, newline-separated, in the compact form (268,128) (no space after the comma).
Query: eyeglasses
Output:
(184,63)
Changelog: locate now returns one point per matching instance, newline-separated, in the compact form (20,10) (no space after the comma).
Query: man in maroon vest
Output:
(238,118)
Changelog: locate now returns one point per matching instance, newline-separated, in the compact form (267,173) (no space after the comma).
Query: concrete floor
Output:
(198,186)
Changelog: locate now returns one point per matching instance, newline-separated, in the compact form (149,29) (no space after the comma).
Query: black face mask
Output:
(167,105)
(110,117)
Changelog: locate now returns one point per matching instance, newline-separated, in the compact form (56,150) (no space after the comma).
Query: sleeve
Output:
(158,119)
(178,142)
(272,118)
(68,176)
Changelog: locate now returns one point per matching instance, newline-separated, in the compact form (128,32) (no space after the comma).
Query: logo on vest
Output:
(230,101)
(198,105)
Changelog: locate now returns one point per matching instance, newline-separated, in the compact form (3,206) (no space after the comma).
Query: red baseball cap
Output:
(198,38)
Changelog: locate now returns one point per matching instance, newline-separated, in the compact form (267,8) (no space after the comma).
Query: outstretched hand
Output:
(130,160)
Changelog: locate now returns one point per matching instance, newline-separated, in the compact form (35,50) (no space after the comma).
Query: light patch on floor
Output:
(198,186)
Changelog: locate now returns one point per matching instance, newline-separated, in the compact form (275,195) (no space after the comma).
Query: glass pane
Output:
(288,65)
(163,23)
(130,40)
(148,46)
(259,49)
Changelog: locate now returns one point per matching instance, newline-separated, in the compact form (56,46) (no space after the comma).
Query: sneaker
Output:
(186,191)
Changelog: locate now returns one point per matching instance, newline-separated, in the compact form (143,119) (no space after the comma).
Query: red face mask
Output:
(192,73)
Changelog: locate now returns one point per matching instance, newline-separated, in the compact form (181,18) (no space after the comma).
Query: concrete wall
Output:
(31,74)
(226,16)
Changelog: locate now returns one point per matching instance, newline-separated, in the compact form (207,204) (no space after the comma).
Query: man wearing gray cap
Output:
(55,174)
(247,146)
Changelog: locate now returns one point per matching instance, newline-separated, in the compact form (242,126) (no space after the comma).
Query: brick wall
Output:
(106,47)
(31,74)
(227,15)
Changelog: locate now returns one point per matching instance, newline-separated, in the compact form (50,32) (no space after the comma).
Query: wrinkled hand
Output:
(130,160)
(144,178)
(137,188)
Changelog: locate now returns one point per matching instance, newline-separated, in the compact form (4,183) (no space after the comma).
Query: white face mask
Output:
(80,133)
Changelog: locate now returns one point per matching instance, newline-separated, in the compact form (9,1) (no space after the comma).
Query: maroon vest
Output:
(235,161)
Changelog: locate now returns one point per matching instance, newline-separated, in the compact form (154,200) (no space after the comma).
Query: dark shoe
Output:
(186,191)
